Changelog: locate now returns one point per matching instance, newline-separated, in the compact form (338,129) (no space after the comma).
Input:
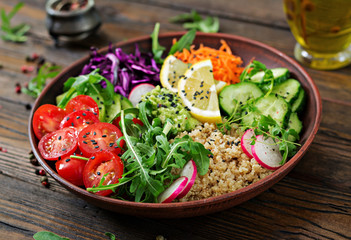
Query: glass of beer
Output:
(322,29)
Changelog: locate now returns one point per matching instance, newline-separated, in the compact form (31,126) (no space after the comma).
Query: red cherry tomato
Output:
(71,169)
(99,136)
(58,144)
(135,120)
(46,119)
(79,120)
(100,164)
(82,102)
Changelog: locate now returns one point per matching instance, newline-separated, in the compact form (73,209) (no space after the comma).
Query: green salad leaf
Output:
(194,21)
(37,84)
(13,33)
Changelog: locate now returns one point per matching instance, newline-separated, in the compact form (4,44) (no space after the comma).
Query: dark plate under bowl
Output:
(245,48)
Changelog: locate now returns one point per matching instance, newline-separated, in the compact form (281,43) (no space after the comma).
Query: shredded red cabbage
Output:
(123,70)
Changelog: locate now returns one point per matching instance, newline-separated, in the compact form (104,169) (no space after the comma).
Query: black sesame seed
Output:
(98,173)
(93,157)
(59,137)
(96,147)
(63,149)
(85,142)
(111,144)
(104,135)
(67,160)
(72,124)
(67,118)
(78,117)
(84,114)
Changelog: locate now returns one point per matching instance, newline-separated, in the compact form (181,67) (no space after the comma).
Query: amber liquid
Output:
(320,26)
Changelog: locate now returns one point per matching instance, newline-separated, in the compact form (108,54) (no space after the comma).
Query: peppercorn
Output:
(32,159)
(45,184)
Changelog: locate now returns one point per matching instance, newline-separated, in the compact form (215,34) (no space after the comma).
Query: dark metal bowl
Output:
(71,24)
(246,49)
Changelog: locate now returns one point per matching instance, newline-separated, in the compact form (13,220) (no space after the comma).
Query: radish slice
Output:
(266,153)
(138,91)
(173,190)
(189,171)
(245,142)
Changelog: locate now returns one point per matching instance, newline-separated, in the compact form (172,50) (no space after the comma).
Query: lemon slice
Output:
(219,85)
(172,70)
(197,89)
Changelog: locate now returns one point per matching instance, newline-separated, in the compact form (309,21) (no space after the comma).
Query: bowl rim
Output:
(278,174)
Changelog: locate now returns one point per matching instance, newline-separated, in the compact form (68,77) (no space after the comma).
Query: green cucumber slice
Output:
(288,89)
(239,93)
(272,105)
(298,104)
(294,123)
(279,74)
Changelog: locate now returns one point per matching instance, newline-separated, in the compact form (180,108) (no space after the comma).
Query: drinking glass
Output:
(322,29)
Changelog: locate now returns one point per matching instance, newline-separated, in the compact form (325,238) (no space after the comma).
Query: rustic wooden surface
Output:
(312,202)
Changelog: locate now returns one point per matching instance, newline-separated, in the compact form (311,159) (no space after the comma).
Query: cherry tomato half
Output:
(99,136)
(46,119)
(82,102)
(58,144)
(79,120)
(71,169)
(100,164)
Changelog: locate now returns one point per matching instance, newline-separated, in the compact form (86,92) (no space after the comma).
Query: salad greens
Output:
(13,33)
(87,85)
(184,42)
(46,235)
(150,157)
(37,84)
(194,21)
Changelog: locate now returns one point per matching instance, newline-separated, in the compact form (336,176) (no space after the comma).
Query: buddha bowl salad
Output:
(196,124)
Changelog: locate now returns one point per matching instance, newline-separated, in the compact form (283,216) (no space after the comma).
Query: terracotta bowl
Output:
(247,49)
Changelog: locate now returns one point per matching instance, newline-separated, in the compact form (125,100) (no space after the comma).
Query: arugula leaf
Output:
(37,84)
(184,42)
(193,20)
(157,49)
(15,33)
(186,17)
(110,235)
(45,235)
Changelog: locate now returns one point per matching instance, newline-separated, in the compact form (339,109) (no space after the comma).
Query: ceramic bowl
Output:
(247,49)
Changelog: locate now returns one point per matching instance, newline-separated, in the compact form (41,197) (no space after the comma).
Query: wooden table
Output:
(312,202)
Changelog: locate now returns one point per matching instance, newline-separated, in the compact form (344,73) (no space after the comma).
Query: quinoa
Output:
(230,169)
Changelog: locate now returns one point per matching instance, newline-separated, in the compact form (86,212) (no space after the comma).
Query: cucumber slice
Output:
(279,74)
(102,110)
(299,103)
(125,103)
(294,123)
(114,109)
(275,106)
(239,93)
(288,89)
(272,105)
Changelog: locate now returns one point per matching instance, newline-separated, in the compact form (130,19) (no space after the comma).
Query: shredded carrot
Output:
(226,66)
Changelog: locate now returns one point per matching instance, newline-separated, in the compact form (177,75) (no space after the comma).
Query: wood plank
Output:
(68,216)
(245,11)
(276,214)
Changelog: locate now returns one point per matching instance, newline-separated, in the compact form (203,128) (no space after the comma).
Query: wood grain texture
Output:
(312,202)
